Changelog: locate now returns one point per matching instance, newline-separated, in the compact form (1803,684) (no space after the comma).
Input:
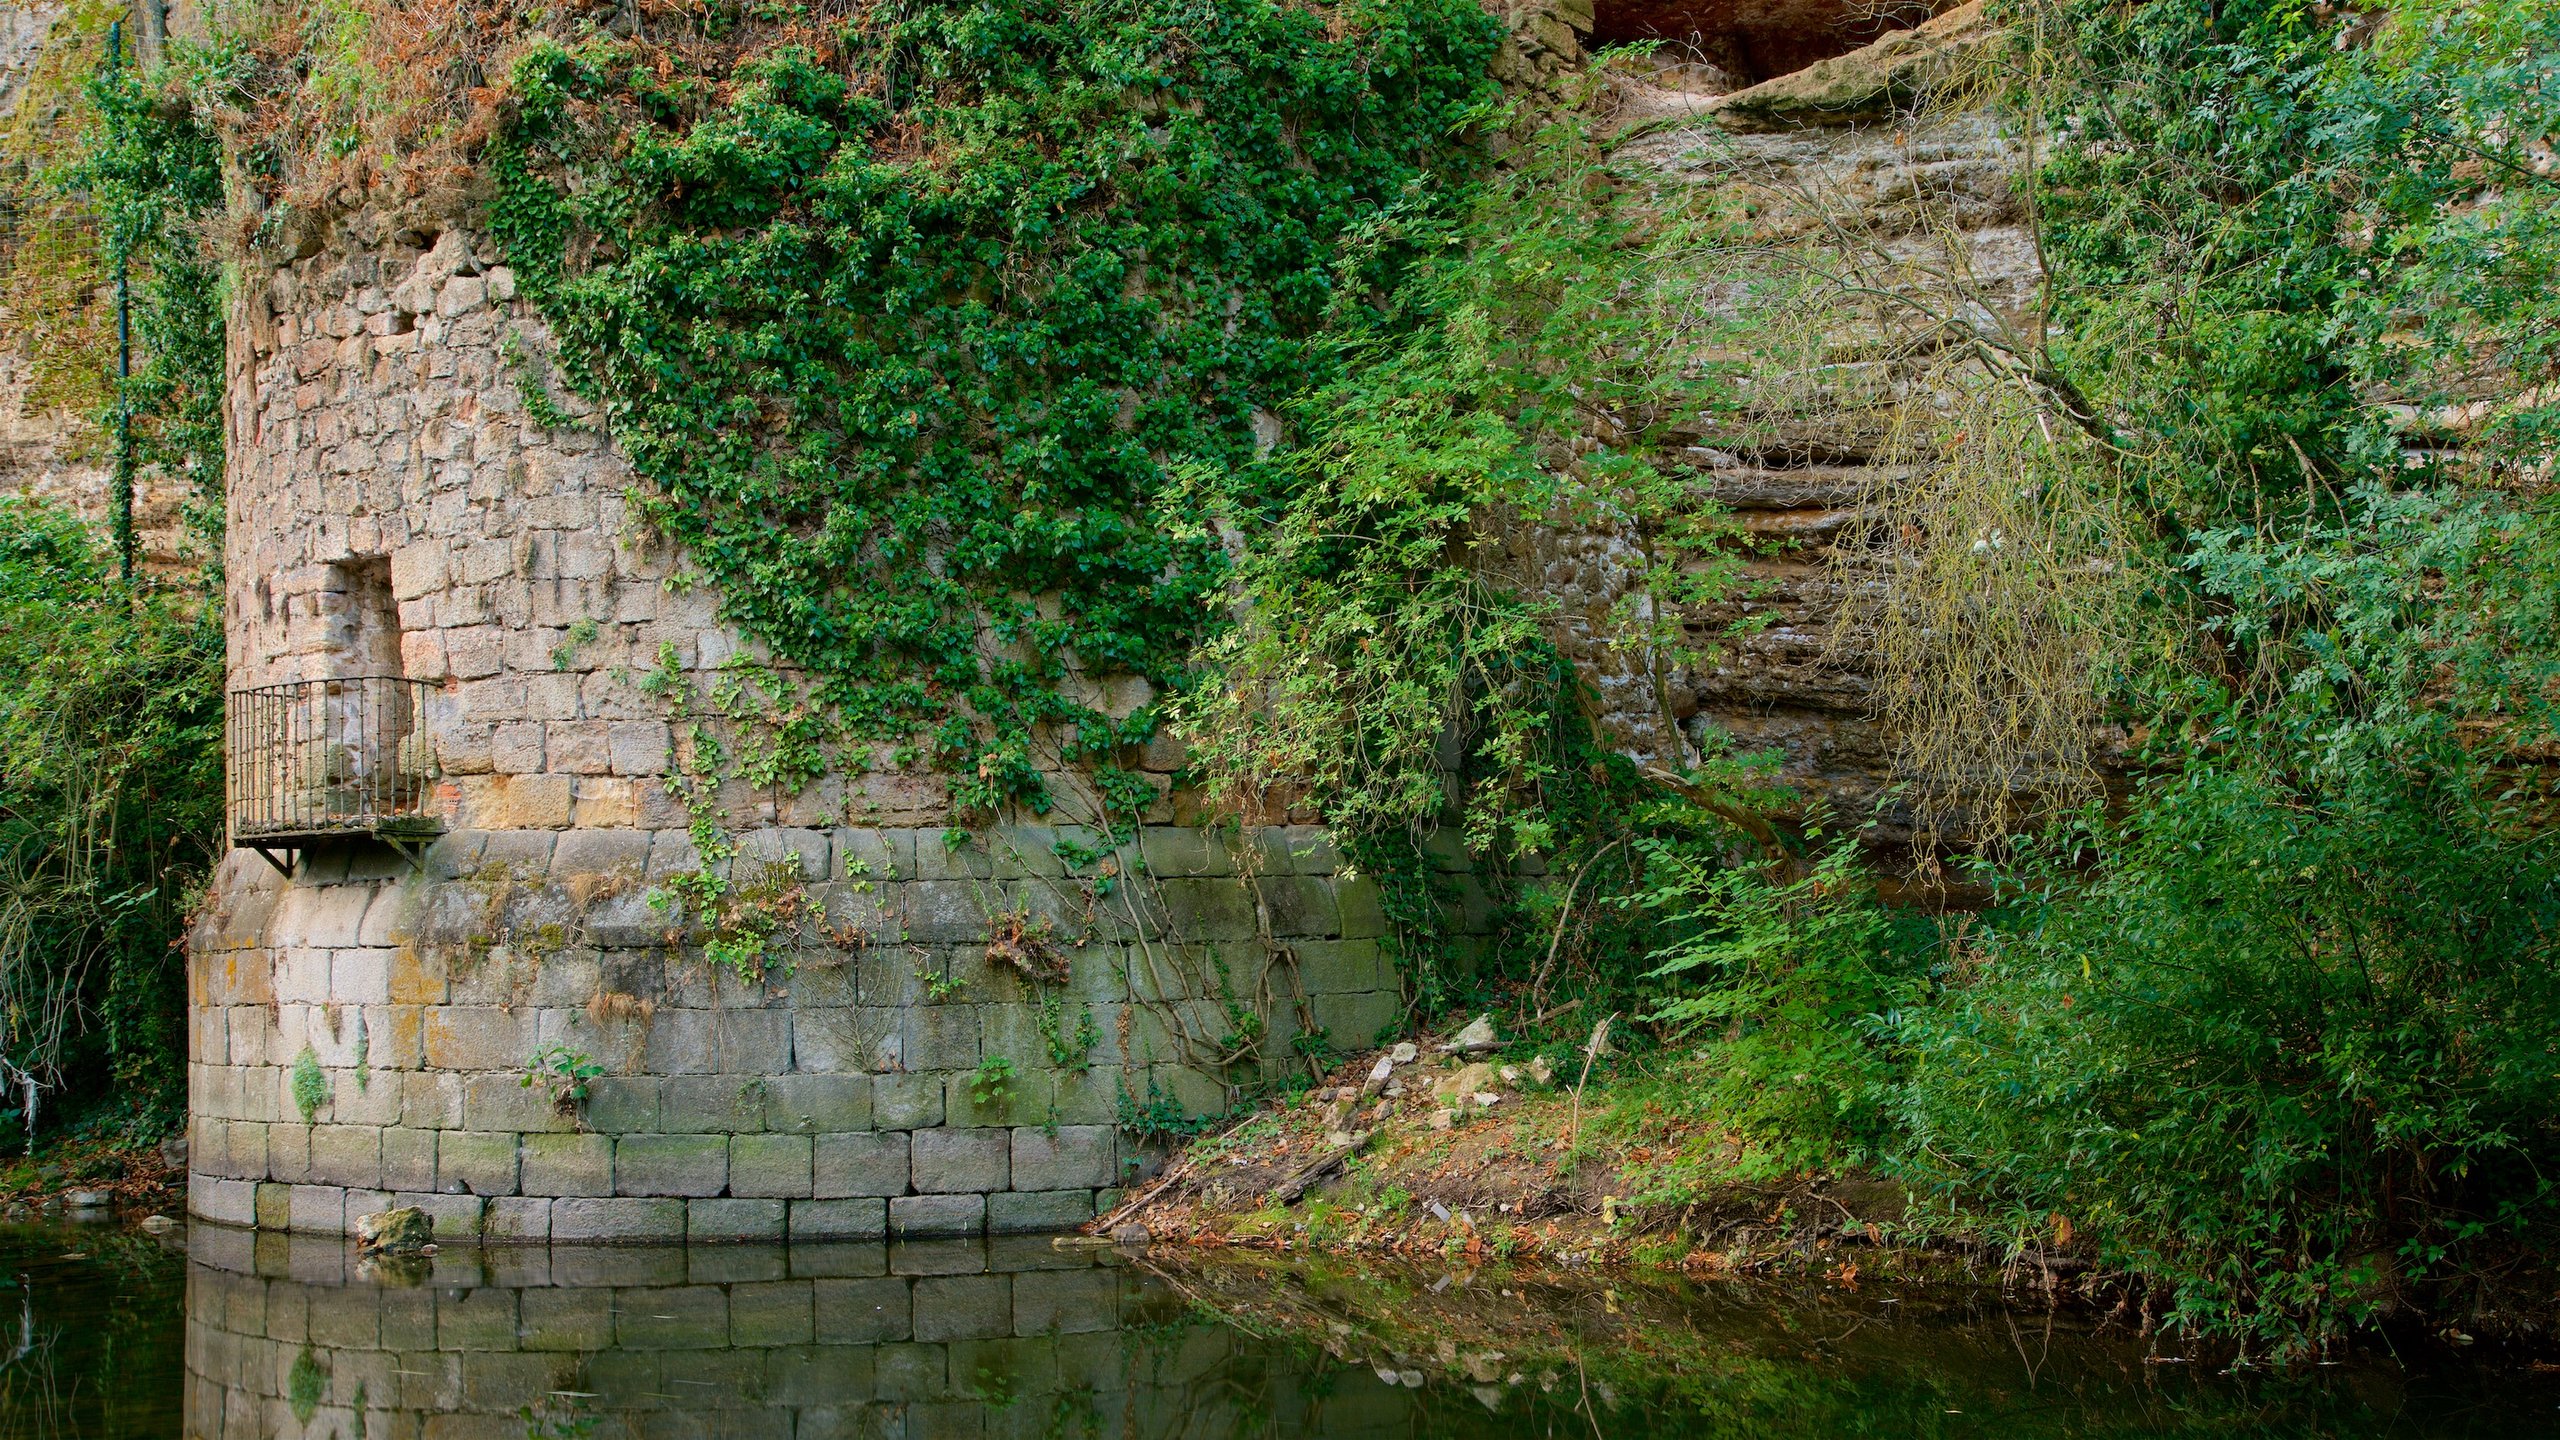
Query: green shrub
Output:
(2282,1033)
(1786,987)
(110,814)
(2287,1052)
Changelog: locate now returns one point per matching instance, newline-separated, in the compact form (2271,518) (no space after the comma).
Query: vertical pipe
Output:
(122,500)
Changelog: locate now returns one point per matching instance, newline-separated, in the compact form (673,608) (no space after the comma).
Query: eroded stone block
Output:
(686,1165)
(960,1161)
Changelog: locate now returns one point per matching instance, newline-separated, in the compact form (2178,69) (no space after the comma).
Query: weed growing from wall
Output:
(310,1085)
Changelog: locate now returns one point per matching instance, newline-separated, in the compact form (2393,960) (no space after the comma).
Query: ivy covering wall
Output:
(922,332)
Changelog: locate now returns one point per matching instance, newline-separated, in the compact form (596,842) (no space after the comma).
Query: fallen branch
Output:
(1110,1222)
(1288,1191)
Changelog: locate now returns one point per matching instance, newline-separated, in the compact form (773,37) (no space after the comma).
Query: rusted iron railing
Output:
(311,759)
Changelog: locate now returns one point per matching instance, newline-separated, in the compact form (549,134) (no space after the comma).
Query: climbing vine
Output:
(153,172)
(981,359)
(911,327)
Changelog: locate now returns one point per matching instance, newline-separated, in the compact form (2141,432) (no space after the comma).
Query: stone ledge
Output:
(1866,85)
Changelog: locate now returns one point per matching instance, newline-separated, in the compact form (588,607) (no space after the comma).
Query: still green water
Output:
(221,1334)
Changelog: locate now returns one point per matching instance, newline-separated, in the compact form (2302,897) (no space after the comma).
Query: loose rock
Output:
(1469,1080)
(405,1231)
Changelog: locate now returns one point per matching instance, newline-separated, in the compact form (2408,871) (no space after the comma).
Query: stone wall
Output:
(841,1098)
(379,430)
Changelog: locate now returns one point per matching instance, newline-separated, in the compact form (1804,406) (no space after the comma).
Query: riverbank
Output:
(92,1178)
(1425,1151)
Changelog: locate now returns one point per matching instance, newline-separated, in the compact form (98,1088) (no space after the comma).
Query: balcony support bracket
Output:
(412,847)
(270,854)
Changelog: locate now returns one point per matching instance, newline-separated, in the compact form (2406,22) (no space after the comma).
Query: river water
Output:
(222,1334)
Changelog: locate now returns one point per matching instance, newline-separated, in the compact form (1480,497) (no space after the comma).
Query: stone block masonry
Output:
(851,1092)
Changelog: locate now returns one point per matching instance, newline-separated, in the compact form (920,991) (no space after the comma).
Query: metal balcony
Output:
(315,760)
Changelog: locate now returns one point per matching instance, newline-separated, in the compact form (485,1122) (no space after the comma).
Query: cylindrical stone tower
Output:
(450,725)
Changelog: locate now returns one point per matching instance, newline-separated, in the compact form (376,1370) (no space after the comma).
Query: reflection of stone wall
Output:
(954,1338)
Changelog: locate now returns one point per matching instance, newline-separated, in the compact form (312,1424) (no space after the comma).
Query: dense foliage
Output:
(909,331)
(2293,1047)
(110,725)
(110,812)
(2278,1031)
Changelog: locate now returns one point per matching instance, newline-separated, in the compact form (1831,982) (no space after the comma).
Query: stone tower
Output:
(462,995)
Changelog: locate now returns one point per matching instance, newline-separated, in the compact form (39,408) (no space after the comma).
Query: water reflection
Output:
(228,1336)
(291,1337)
(90,1333)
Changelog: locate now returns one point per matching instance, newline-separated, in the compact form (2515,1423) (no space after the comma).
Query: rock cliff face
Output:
(1934,194)
(1858,161)
(1749,41)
